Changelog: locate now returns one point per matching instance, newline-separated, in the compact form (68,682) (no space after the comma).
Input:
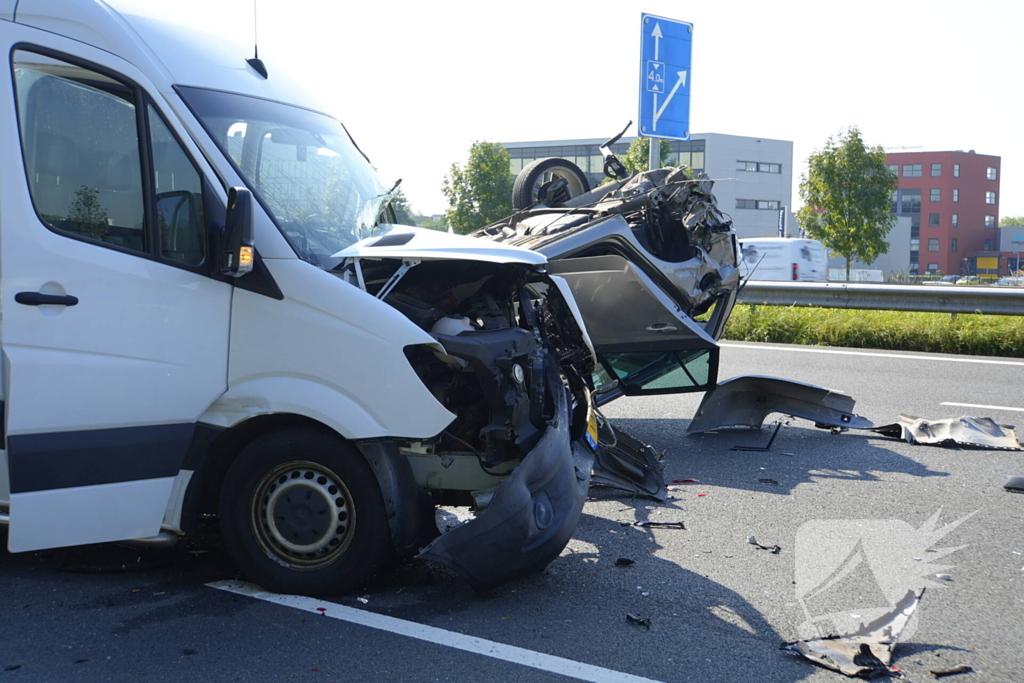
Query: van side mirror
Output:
(239,252)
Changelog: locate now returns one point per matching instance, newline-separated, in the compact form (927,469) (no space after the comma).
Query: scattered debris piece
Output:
(761,449)
(686,481)
(978,432)
(365,599)
(769,481)
(865,653)
(1014,483)
(660,525)
(951,671)
(624,562)
(12,667)
(81,660)
(637,620)
(944,577)
(189,651)
(628,464)
(321,609)
(774,549)
(701,495)
(747,400)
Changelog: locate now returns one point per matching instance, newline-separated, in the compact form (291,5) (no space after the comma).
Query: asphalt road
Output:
(718,607)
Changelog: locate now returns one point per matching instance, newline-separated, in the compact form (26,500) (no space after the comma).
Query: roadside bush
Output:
(981,335)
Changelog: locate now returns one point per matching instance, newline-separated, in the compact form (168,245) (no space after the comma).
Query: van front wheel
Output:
(301,512)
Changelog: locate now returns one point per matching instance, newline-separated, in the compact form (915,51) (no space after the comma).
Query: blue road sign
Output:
(665,51)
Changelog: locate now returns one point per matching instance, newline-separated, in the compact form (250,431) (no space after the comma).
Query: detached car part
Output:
(745,401)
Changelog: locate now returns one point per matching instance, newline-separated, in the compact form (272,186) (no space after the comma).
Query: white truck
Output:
(783,258)
(205,309)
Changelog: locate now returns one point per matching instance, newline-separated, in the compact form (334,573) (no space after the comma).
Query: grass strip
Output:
(978,335)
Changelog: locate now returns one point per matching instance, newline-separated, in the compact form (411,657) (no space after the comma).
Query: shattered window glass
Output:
(660,371)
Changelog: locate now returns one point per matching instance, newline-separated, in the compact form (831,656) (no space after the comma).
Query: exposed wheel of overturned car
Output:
(537,182)
(301,512)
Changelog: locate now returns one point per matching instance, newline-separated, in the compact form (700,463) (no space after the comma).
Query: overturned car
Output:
(567,304)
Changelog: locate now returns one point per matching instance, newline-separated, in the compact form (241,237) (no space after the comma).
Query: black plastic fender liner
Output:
(410,510)
(531,517)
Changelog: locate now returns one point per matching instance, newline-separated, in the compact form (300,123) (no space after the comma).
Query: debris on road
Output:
(944,577)
(747,400)
(637,620)
(977,432)
(769,481)
(865,653)
(660,525)
(774,549)
(686,481)
(628,464)
(624,562)
(1014,483)
(951,671)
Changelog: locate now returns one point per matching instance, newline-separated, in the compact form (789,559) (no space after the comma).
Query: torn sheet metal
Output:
(629,465)
(747,400)
(976,432)
(865,653)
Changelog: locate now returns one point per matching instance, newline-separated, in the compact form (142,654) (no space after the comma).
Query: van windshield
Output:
(303,166)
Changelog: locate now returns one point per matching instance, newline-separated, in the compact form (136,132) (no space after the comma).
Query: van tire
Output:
(301,512)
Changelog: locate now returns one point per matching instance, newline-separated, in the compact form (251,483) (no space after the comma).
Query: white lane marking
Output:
(438,636)
(976,405)
(873,355)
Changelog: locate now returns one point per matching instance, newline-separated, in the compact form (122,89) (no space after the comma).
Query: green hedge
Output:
(981,335)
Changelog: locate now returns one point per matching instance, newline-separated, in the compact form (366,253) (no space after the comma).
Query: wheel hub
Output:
(303,514)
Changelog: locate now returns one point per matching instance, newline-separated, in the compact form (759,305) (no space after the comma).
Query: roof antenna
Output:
(255,62)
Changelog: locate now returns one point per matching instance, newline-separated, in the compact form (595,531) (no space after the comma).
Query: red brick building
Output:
(952,199)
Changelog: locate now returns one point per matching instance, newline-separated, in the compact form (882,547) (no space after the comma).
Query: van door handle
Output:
(40,299)
(662,327)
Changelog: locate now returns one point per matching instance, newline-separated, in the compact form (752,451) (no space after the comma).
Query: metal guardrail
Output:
(887,297)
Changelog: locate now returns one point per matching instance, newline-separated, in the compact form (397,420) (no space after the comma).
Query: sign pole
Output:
(654,156)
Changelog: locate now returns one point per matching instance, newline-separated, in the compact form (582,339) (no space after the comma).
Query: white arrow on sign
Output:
(657,39)
(658,112)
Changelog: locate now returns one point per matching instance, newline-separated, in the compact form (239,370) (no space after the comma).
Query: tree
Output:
(1011,222)
(638,154)
(87,212)
(480,193)
(403,212)
(431,223)
(847,194)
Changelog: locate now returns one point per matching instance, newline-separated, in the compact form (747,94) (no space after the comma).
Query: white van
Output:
(206,308)
(783,258)
(184,333)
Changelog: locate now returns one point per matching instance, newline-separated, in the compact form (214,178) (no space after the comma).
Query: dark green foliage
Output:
(480,193)
(980,335)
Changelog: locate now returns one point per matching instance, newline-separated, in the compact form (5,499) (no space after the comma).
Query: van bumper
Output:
(531,516)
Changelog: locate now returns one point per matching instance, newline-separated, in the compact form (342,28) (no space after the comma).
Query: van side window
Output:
(81,145)
(179,200)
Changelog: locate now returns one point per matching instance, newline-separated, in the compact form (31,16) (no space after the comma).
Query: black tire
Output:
(541,171)
(274,498)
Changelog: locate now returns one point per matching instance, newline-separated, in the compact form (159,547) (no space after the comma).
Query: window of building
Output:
(932,267)
(893,168)
(758,167)
(956,195)
(990,197)
(933,220)
(933,244)
(911,170)
(956,170)
(990,221)
(910,202)
(990,173)
(936,170)
(915,244)
(770,204)
(990,245)
(935,195)
(955,219)
(953,244)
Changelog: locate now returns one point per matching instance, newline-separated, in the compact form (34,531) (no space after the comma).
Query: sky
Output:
(416,83)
